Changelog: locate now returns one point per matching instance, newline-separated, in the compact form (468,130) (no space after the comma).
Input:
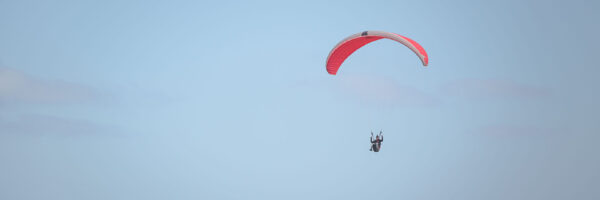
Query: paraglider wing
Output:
(347,46)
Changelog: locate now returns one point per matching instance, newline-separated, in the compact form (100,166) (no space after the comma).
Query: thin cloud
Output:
(43,124)
(482,88)
(18,87)
(384,91)
(518,130)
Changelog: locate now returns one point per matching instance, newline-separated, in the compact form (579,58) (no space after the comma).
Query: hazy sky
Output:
(231,100)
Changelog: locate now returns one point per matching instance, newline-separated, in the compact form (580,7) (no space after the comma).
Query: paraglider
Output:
(346,47)
(376,144)
(349,45)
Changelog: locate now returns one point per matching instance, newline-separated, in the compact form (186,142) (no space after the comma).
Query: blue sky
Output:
(231,100)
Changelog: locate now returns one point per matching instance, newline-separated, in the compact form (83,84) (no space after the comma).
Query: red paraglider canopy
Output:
(347,46)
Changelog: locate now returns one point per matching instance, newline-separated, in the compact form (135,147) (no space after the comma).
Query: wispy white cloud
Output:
(384,91)
(45,124)
(507,129)
(18,87)
(486,88)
